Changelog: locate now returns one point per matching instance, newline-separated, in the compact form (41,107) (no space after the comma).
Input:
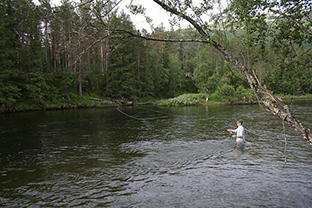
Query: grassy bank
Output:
(200,99)
(223,95)
(297,97)
(216,99)
(74,102)
(87,101)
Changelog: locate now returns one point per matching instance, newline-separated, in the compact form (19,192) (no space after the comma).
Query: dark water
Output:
(169,157)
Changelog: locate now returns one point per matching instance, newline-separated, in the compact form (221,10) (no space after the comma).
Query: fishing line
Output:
(128,115)
(142,119)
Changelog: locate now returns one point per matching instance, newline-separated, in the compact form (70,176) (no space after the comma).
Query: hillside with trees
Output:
(51,55)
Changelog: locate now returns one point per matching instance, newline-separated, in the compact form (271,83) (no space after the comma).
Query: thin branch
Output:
(299,25)
(160,39)
(184,16)
(283,14)
(88,48)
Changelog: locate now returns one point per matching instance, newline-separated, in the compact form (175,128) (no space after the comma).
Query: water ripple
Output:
(101,158)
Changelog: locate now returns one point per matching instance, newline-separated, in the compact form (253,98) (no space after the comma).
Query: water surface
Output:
(153,157)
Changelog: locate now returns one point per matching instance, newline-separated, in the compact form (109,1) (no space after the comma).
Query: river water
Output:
(154,157)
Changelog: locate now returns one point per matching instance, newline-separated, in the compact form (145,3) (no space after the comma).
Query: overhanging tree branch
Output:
(160,39)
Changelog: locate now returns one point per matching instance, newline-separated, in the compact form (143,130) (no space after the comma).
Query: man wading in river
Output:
(240,132)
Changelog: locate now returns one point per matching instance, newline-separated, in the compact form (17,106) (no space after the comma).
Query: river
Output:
(154,157)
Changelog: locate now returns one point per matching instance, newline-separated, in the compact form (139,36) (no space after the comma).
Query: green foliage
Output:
(243,95)
(158,74)
(9,93)
(185,100)
(228,94)
(225,90)
(223,95)
(9,73)
(61,85)
(37,86)
(204,76)
(129,76)
(176,76)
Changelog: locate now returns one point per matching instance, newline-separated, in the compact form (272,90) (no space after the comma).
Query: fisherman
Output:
(240,132)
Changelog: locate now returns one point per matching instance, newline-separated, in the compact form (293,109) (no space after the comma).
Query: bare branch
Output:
(297,23)
(160,39)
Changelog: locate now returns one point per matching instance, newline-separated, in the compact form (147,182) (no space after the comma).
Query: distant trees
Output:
(205,75)
(10,73)
(21,73)
(54,53)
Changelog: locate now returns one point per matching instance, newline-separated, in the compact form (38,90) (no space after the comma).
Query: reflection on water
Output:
(168,157)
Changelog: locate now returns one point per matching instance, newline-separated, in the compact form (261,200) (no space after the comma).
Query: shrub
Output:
(243,95)
(225,90)
(185,99)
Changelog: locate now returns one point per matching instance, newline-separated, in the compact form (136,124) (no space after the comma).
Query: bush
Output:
(243,95)
(225,90)
(227,93)
(185,99)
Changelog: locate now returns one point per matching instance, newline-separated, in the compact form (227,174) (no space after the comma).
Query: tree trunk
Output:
(46,40)
(80,82)
(107,55)
(102,57)
(69,52)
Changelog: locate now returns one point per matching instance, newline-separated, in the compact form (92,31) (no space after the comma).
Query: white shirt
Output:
(240,131)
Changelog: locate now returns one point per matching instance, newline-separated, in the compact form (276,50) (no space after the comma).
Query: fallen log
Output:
(98,99)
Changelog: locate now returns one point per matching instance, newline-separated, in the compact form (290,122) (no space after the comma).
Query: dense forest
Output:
(51,54)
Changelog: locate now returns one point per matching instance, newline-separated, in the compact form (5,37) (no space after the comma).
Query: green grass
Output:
(184,100)
(214,99)
(192,99)
(244,97)
(75,102)
(288,97)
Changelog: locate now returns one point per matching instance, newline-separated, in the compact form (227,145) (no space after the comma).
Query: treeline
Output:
(50,54)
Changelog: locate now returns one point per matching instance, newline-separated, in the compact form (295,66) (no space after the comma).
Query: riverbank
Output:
(76,102)
(214,99)
(88,101)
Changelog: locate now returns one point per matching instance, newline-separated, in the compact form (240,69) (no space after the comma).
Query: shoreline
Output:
(105,104)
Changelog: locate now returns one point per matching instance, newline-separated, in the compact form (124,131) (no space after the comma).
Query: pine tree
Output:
(10,89)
